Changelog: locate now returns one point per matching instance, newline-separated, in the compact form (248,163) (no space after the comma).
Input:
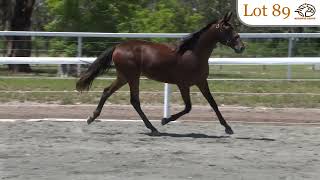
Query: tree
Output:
(89,16)
(164,16)
(17,17)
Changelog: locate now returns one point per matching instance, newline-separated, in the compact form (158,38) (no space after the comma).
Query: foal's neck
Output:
(205,45)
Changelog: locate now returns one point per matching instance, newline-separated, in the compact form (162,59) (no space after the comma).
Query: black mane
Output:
(188,42)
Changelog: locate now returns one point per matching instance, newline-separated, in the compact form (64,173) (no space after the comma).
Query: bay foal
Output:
(184,64)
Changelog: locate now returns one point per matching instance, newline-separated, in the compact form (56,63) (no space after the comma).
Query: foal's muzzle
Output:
(239,49)
(238,46)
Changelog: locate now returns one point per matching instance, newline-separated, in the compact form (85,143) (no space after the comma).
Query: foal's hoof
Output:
(165,121)
(155,133)
(229,130)
(90,120)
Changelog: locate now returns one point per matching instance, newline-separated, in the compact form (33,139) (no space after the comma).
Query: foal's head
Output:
(227,35)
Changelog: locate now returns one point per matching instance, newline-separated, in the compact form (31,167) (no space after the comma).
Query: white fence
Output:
(151,35)
(214,61)
(81,35)
(221,61)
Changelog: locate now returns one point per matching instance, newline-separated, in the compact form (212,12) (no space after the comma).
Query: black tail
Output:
(101,64)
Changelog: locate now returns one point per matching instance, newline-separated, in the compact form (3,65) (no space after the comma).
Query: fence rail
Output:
(213,61)
(150,35)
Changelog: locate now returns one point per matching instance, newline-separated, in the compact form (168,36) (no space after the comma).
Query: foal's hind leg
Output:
(135,101)
(107,92)
(204,88)
(185,93)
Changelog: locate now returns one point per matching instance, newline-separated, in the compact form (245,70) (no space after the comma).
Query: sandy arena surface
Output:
(185,150)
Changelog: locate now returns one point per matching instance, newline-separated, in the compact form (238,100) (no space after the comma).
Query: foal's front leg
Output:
(185,93)
(204,88)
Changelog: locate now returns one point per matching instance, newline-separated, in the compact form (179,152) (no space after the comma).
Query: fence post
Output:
(166,104)
(290,47)
(79,54)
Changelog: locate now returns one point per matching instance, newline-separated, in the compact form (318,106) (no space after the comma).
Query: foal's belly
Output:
(175,75)
(161,75)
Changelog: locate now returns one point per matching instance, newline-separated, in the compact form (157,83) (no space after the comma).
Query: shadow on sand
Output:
(191,135)
(200,135)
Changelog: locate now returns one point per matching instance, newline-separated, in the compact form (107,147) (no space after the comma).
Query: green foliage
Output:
(166,16)
(307,48)
(85,15)
(63,48)
(158,16)
(89,16)
(117,16)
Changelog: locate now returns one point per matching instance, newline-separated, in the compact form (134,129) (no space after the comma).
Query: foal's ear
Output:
(227,17)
